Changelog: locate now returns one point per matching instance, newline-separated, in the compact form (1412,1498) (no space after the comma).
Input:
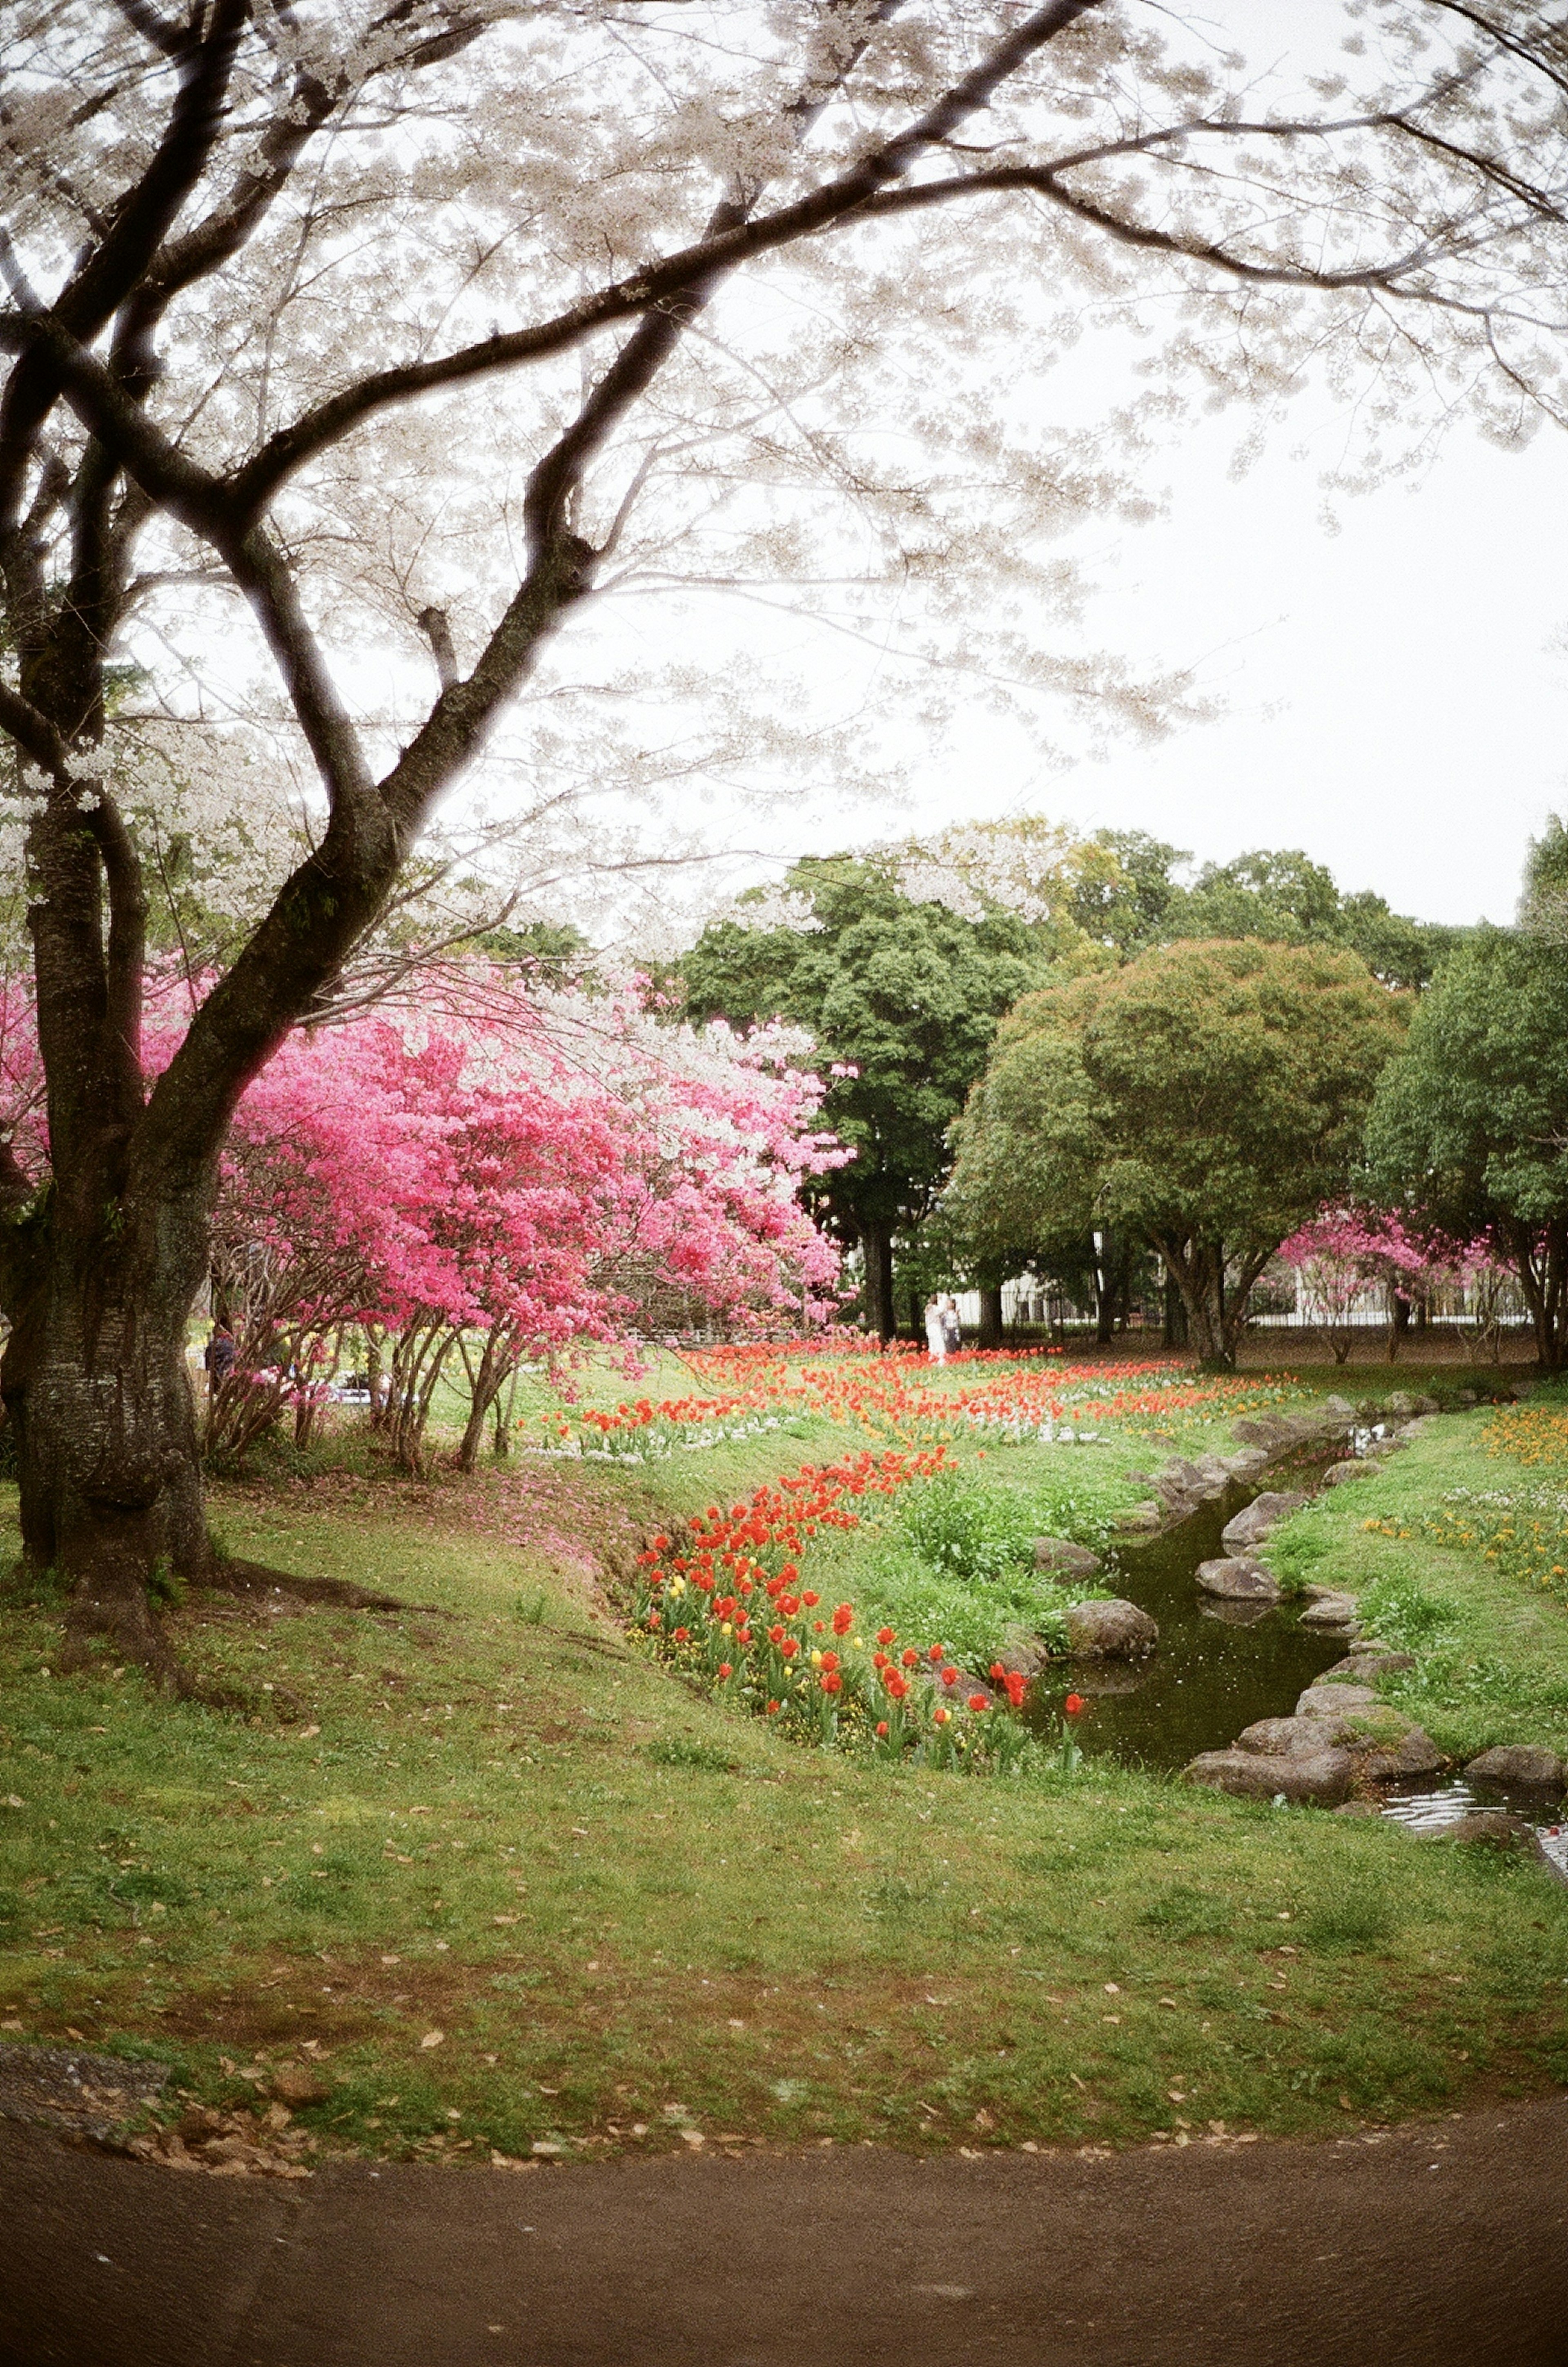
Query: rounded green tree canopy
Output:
(1209,1095)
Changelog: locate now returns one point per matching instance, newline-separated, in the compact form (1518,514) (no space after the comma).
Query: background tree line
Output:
(1075,1056)
(1122,1054)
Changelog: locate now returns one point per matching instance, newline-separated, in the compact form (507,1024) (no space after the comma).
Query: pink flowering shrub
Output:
(477,1191)
(1345,1253)
(493,1179)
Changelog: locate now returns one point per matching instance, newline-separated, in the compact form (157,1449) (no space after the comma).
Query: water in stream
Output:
(1433,1803)
(1219,1666)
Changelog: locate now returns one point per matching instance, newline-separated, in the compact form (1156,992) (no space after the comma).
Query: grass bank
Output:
(1452,1546)
(507,1883)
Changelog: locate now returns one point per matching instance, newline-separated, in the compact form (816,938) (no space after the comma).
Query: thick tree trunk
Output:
(1175,1326)
(990,1314)
(1197,1270)
(96,1382)
(1540,1261)
(876,1243)
(1190,1266)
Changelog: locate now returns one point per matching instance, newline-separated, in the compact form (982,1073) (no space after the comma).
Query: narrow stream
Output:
(1219,1666)
(1222,1665)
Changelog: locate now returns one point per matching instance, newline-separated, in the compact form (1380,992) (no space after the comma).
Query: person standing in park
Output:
(936,1331)
(952,1329)
(220,1354)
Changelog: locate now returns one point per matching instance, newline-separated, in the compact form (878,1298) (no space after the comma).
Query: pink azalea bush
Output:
(476,1190)
(492,1179)
(1344,1253)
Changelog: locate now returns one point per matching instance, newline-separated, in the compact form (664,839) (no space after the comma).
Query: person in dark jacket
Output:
(220,1354)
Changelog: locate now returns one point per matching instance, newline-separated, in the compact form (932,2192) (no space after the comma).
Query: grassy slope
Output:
(617,1903)
(1497,1670)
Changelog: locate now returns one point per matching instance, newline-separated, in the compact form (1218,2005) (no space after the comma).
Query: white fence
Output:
(1496,1304)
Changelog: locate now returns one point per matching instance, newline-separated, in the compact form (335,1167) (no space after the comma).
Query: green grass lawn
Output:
(510,1882)
(1491,1643)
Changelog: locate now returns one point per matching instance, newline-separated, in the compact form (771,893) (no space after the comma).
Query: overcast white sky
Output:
(1394,701)
(1396,694)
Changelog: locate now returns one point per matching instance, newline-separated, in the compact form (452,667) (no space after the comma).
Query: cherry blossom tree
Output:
(397,334)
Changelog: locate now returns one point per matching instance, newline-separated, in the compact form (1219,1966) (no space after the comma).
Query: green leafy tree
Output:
(1543,901)
(1282,896)
(1209,1097)
(1470,1126)
(1128,903)
(905,993)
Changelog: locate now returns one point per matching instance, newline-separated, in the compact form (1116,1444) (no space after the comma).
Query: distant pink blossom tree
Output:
(1344,1253)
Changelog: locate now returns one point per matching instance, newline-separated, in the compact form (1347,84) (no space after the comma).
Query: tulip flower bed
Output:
(638,1430)
(1002,1396)
(904,1663)
(723,1597)
(1044,1406)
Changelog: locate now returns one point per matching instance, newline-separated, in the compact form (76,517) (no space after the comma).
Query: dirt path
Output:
(1427,2248)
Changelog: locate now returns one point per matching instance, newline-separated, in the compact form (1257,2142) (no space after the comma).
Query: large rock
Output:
(1065,1560)
(1383,1744)
(1239,1581)
(1182,1484)
(1519,1762)
(1301,1427)
(1323,1776)
(1252,1524)
(1024,1652)
(1177,1482)
(1494,1829)
(1261,1430)
(1369,1661)
(1337,1473)
(1336,1701)
(1330,1612)
(1110,1631)
(1410,1752)
(1245,1462)
(1289,1738)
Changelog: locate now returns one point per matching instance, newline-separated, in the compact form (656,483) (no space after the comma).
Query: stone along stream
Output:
(1219,1666)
